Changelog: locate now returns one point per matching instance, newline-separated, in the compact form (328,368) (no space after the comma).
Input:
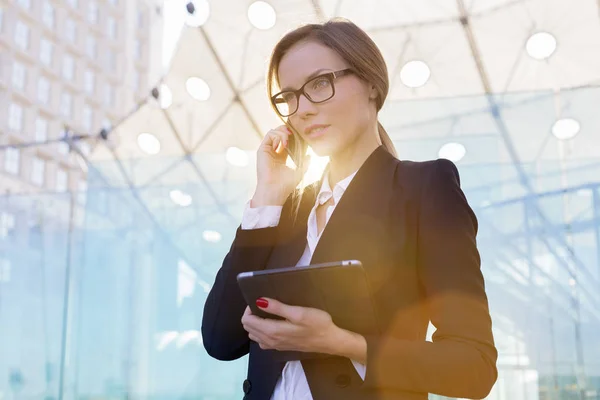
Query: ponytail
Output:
(386,141)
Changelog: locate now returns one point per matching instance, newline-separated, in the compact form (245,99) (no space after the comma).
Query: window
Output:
(68,68)
(26,4)
(12,160)
(136,81)
(113,2)
(140,19)
(18,75)
(70,30)
(38,167)
(90,47)
(137,49)
(89,82)
(63,148)
(46,52)
(92,12)
(88,117)
(41,129)
(111,61)
(15,117)
(7,224)
(82,192)
(48,15)
(109,95)
(22,35)
(111,28)
(43,90)
(66,104)
(73,3)
(4,269)
(61,180)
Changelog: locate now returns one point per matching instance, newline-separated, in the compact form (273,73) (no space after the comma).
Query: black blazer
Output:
(410,225)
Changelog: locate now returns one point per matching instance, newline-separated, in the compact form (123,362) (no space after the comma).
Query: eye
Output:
(288,97)
(320,83)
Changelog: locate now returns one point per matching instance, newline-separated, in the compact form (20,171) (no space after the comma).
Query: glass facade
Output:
(103,298)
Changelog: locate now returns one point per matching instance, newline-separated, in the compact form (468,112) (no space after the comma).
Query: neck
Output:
(350,159)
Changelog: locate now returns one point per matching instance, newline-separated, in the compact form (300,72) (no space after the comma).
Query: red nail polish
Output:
(262,303)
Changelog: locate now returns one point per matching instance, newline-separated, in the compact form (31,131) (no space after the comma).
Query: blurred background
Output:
(128,131)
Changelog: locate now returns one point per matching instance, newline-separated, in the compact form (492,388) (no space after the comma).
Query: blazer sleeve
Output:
(223,335)
(461,359)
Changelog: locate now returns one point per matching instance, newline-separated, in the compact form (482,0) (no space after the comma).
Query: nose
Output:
(305,107)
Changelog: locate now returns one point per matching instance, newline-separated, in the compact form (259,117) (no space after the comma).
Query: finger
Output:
(291,313)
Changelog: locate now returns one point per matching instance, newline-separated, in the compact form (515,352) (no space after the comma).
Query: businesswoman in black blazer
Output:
(408,222)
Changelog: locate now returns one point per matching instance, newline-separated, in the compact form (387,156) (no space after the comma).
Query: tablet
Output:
(340,288)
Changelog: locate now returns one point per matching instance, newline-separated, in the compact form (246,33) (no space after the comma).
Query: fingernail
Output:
(262,303)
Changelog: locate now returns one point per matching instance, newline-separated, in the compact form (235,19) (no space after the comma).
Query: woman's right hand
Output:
(275,180)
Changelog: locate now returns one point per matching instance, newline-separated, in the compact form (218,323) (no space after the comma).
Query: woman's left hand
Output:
(304,329)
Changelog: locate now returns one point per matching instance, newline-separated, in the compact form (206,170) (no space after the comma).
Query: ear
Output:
(373,94)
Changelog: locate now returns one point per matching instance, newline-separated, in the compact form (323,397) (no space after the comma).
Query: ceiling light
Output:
(236,156)
(541,45)
(211,236)
(566,128)
(197,88)
(148,143)
(180,198)
(166,97)
(262,15)
(198,12)
(415,74)
(452,151)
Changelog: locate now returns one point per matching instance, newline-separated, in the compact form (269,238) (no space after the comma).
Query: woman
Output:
(408,222)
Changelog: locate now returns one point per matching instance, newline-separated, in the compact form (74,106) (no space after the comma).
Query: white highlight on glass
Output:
(165,97)
(566,128)
(148,143)
(197,88)
(236,156)
(415,74)
(262,15)
(211,236)
(541,45)
(452,151)
(180,198)
(200,15)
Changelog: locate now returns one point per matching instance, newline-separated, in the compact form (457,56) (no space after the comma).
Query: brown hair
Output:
(354,46)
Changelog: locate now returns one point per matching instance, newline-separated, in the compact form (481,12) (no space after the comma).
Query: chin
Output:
(322,148)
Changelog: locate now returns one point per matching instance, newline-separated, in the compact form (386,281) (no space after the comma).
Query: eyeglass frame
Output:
(331,76)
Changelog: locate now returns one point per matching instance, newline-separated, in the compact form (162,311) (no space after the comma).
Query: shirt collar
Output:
(325,193)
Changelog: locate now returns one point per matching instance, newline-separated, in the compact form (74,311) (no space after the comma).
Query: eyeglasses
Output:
(316,90)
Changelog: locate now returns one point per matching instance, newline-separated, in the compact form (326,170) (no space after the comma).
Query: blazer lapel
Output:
(359,223)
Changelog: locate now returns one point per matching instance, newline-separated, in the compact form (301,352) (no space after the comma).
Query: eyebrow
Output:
(308,78)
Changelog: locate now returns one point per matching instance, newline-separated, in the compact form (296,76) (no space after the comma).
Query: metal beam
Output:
(318,10)
(230,83)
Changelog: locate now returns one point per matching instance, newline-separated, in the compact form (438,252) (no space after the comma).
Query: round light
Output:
(262,15)
(452,151)
(201,11)
(237,157)
(566,128)
(541,45)
(415,74)
(180,198)
(197,88)
(148,143)
(572,282)
(211,236)
(166,97)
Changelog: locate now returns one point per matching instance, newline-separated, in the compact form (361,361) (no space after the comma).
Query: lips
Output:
(315,130)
